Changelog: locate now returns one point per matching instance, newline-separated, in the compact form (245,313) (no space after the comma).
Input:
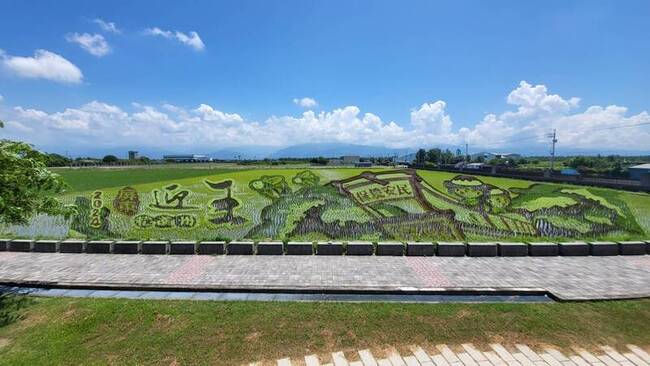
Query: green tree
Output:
(447,157)
(319,161)
(109,159)
(26,186)
(56,160)
(420,157)
(433,155)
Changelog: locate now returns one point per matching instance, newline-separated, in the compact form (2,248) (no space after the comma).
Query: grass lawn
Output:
(113,331)
(88,179)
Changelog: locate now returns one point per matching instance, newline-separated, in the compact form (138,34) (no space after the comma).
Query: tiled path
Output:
(570,278)
(496,355)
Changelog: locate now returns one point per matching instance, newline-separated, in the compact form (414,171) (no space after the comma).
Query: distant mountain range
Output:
(332,150)
(326,150)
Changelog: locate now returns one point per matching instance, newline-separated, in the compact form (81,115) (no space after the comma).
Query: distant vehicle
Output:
(474,166)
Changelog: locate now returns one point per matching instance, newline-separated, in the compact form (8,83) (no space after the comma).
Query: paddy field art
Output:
(335,204)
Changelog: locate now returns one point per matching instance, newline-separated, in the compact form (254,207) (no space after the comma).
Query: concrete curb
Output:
(3,244)
(182,247)
(270,248)
(212,248)
(420,249)
(154,247)
(507,249)
(359,248)
(603,248)
(300,248)
(329,248)
(543,249)
(394,248)
(20,245)
(99,246)
(126,247)
(575,248)
(240,248)
(450,249)
(486,249)
(72,246)
(632,247)
(46,246)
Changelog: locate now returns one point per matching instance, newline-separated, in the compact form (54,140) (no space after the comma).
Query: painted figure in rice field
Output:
(399,204)
(389,204)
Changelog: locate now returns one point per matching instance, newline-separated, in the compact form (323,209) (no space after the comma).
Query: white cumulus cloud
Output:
(305,102)
(95,44)
(539,112)
(191,39)
(43,65)
(109,27)
(533,113)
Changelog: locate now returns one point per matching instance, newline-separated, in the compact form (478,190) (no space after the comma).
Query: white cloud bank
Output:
(95,44)
(43,65)
(109,27)
(205,128)
(192,39)
(305,102)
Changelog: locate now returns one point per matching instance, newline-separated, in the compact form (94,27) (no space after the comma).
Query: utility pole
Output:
(553,142)
(467,152)
(69,158)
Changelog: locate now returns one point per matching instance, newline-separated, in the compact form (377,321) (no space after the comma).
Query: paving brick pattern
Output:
(429,273)
(189,271)
(570,278)
(468,355)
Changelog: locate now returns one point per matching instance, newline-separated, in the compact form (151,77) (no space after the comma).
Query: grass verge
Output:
(115,331)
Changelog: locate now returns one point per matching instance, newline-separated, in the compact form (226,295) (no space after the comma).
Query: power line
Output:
(615,127)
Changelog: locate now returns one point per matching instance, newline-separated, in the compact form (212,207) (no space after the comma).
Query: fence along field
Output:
(347,204)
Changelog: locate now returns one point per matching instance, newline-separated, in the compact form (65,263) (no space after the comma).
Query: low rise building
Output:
(637,171)
(487,156)
(345,160)
(189,158)
(350,159)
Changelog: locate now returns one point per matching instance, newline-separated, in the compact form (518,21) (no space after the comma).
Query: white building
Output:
(189,158)
(345,160)
(487,156)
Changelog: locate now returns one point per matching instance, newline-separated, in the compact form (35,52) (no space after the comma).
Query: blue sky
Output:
(399,74)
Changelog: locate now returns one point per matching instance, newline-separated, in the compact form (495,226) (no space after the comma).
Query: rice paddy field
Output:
(307,203)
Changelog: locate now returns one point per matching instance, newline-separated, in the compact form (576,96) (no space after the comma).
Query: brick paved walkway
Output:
(497,355)
(569,278)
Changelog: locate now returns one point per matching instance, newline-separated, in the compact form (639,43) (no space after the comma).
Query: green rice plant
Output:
(341,204)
